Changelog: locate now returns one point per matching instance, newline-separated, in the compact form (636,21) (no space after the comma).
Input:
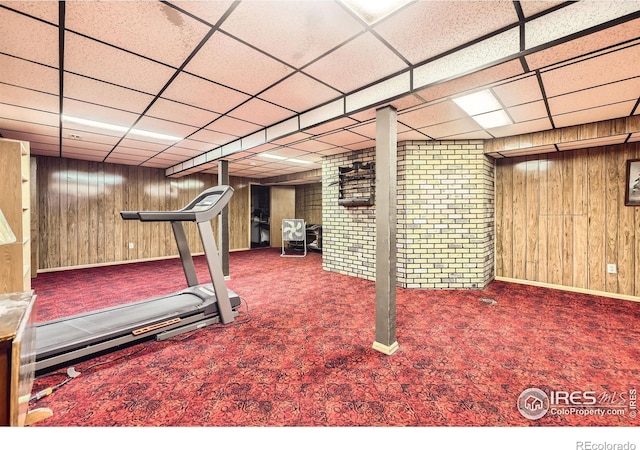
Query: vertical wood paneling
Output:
(533,214)
(240,214)
(84,225)
(519,218)
(33,181)
(611,208)
(582,225)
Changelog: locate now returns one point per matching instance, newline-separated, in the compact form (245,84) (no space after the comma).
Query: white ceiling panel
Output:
(603,69)
(407,31)
(28,98)
(28,39)
(231,63)
(45,10)
(261,70)
(294,32)
(29,75)
(528,111)
(158,31)
(203,94)
(591,98)
(436,113)
(299,93)
(100,61)
(28,115)
(106,94)
(181,113)
(583,46)
(521,128)
(90,111)
(359,62)
(451,128)
(261,112)
(518,92)
(614,111)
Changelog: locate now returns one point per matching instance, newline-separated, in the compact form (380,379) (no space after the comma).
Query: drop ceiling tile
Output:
(337,124)
(528,111)
(90,58)
(585,45)
(281,129)
(211,12)
(518,92)
(342,138)
(140,147)
(122,151)
(471,135)
(151,29)
(369,143)
(299,93)
(472,81)
(309,30)
(28,115)
(29,75)
(322,113)
(432,114)
(362,61)
(181,153)
(289,152)
(297,137)
(234,126)
(231,63)
(45,10)
(191,144)
(451,128)
(369,129)
(412,135)
(406,102)
(28,127)
(406,31)
(154,125)
(239,156)
(181,113)
(91,137)
(379,93)
(94,91)
(260,112)
(594,114)
(603,69)
(32,138)
(521,128)
(83,145)
(333,151)
(532,8)
(204,94)
(90,111)
(87,155)
(472,58)
(312,146)
(574,18)
(591,98)
(29,39)
(28,98)
(214,138)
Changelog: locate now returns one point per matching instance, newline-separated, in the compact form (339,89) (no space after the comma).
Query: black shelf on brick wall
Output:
(356,184)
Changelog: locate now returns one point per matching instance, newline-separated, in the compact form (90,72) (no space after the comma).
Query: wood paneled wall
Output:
(79,219)
(309,203)
(561,219)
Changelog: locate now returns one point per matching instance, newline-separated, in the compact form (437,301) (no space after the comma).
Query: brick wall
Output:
(445,233)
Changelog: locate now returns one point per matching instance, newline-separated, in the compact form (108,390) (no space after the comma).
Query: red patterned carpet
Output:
(300,353)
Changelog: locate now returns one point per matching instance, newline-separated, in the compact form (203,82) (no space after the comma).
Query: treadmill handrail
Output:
(187,214)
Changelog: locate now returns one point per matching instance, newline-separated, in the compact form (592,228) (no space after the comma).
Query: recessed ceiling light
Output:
(493,119)
(372,11)
(478,103)
(108,126)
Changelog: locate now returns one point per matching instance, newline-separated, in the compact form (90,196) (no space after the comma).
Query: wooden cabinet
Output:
(15,198)
(17,356)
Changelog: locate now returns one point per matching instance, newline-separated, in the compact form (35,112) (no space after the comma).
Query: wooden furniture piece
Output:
(15,198)
(17,359)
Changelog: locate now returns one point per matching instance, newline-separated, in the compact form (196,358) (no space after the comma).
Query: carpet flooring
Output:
(300,353)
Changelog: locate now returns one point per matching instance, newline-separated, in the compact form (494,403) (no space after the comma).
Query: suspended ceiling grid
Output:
(248,81)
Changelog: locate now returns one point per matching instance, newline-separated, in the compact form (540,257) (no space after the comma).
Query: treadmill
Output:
(71,338)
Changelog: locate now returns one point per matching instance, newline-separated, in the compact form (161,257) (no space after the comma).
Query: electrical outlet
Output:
(131,245)
(611,268)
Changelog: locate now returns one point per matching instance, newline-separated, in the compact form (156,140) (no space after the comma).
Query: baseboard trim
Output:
(386,349)
(570,289)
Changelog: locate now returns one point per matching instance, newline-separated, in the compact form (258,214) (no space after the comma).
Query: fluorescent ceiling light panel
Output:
(478,103)
(108,126)
(493,119)
(298,161)
(371,11)
(269,155)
